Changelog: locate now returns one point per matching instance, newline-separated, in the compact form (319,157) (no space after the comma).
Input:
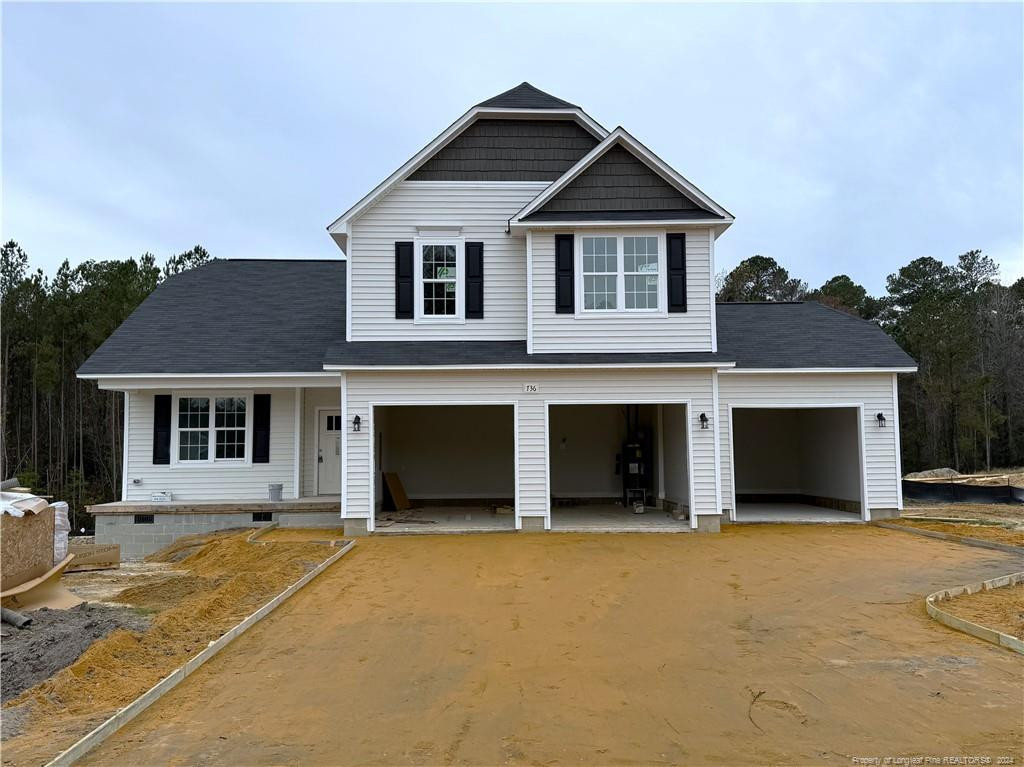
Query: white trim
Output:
(475,184)
(340,224)
(619,235)
(623,400)
(538,366)
(861,446)
(717,414)
(711,293)
(422,240)
(212,381)
(660,223)
(655,163)
(896,429)
(211,429)
(529,292)
(372,464)
(343,431)
(124,449)
(348,300)
(761,371)
(344,446)
(188,376)
(661,451)
(297,470)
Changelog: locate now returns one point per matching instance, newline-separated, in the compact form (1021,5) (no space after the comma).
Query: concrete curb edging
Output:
(1007,547)
(176,677)
(259,532)
(975,629)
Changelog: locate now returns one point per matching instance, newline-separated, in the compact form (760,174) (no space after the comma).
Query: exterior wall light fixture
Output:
(356,423)
(881,420)
(703,420)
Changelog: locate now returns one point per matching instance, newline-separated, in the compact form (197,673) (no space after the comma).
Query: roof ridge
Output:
(526,91)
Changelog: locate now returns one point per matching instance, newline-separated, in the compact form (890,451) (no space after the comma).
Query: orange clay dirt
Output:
(771,644)
(1001,609)
(989,532)
(220,580)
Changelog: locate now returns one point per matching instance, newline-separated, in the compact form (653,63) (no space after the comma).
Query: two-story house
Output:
(521,334)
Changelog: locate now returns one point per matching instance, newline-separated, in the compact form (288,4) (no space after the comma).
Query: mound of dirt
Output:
(56,639)
(934,474)
(985,532)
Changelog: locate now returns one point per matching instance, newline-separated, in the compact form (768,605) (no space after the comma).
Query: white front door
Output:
(328,453)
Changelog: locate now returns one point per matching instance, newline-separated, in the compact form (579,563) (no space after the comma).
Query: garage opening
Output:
(444,468)
(618,467)
(797,464)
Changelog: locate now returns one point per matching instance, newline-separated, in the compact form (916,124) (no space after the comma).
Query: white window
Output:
(621,273)
(640,269)
(439,280)
(211,428)
(600,273)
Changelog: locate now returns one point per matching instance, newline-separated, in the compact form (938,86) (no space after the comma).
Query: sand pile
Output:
(55,639)
(226,580)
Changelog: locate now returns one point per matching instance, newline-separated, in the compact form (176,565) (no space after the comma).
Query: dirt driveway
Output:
(768,644)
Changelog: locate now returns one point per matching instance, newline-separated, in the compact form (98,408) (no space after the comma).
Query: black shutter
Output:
(161,428)
(261,428)
(403,280)
(565,298)
(474,280)
(677,272)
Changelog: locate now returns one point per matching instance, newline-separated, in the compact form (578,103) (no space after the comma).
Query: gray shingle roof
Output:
(253,316)
(525,96)
(236,316)
(803,334)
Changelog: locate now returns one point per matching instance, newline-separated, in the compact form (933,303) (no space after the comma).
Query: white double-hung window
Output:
(211,428)
(621,272)
(439,279)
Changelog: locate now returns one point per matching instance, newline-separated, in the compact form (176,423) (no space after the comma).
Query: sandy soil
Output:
(761,645)
(216,581)
(1000,609)
(989,532)
(1010,515)
(304,534)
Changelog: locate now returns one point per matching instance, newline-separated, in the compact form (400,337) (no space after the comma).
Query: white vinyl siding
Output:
(553,386)
(204,481)
(480,212)
(874,391)
(623,331)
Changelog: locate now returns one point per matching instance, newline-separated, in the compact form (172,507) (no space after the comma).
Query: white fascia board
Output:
(340,224)
(621,136)
(135,381)
(702,223)
(537,366)
(763,371)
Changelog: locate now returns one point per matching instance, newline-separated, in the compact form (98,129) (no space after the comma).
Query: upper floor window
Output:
(204,436)
(622,272)
(439,280)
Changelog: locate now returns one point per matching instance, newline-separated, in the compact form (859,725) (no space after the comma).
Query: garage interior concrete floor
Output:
(799,513)
(766,644)
(613,518)
(444,519)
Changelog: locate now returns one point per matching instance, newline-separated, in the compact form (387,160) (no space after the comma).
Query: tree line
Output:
(63,436)
(964,408)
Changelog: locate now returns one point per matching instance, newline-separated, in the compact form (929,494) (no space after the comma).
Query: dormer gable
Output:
(622,180)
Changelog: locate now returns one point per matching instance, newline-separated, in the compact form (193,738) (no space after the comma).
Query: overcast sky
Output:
(845,139)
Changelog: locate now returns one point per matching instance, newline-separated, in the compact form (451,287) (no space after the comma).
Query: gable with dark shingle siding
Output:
(618,181)
(509,150)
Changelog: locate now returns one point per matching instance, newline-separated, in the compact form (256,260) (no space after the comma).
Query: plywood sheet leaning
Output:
(26,546)
(397,491)
(44,591)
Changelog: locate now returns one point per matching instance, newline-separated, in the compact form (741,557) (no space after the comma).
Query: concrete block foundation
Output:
(709,523)
(532,524)
(356,528)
